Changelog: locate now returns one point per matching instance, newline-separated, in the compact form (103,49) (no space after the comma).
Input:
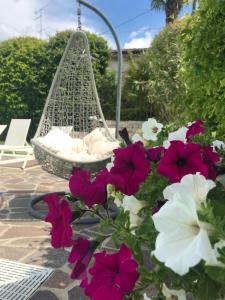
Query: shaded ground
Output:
(25,239)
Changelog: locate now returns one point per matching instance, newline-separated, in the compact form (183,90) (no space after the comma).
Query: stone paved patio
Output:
(25,239)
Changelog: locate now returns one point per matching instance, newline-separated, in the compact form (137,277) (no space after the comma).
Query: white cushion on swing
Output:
(80,157)
(94,146)
(103,147)
(94,136)
(56,140)
(97,142)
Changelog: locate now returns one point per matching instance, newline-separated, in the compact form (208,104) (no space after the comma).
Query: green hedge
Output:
(203,67)
(27,67)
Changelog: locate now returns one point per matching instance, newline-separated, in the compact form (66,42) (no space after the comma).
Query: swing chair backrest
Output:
(73,98)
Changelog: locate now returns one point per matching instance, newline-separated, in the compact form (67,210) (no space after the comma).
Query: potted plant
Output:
(170,196)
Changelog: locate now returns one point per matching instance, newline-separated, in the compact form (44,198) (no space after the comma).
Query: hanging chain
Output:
(79,15)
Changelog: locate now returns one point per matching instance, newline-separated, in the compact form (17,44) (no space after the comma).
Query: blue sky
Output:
(17,18)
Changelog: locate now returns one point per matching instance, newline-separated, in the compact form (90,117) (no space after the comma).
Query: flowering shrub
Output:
(170,196)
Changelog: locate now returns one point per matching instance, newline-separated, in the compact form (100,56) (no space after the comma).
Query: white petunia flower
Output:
(197,186)
(136,138)
(178,135)
(146,297)
(173,294)
(117,202)
(217,246)
(150,129)
(110,164)
(183,240)
(131,204)
(218,144)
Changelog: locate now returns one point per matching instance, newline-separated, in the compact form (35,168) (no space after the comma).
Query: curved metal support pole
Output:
(120,61)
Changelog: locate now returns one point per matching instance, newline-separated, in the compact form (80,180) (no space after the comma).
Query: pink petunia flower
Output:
(156,153)
(113,275)
(91,192)
(130,169)
(60,216)
(181,159)
(210,158)
(195,129)
(81,255)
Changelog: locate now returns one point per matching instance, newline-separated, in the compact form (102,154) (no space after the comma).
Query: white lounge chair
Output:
(16,144)
(2,128)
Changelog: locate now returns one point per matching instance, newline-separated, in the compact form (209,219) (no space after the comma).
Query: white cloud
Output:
(139,42)
(17,18)
(138,32)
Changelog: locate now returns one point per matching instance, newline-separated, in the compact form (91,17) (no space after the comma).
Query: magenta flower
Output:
(181,159)
(113,275)
(91,192)
(156,153)
(130,169)
(195,129)
(81,255)
(60,216)
(210,159)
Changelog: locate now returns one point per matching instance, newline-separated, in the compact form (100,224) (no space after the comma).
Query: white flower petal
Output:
(146,297)
(131,204)
(135,220)
(137,138)
(150,129)
(166,144)
(181,243)
(170,293)
(215,262)
(117,202)
(178,135)
(218,144)
(110,164)
(176,214)
(197,186)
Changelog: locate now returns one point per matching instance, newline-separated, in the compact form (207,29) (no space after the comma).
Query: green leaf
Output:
(216,273)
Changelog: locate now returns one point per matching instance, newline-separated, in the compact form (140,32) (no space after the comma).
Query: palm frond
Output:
(158,4)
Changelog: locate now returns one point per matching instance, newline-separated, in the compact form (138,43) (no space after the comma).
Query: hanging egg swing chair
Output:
(73,105)
(73,108)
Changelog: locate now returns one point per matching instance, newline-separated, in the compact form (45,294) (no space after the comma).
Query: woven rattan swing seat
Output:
(72,101)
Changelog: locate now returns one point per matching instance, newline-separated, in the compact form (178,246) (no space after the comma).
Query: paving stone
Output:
(25,231)
(3,216)
(12,253)
(19,202)
(44,295)
(58,280)
(33,242)
(20,216)
(4,211)
(29,241)
(52,258)
(77,293)
(3,228)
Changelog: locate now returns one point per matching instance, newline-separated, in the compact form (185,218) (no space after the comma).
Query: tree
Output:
(23,80)
(152,86)
(171,8)
(27,69)
(203,66)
